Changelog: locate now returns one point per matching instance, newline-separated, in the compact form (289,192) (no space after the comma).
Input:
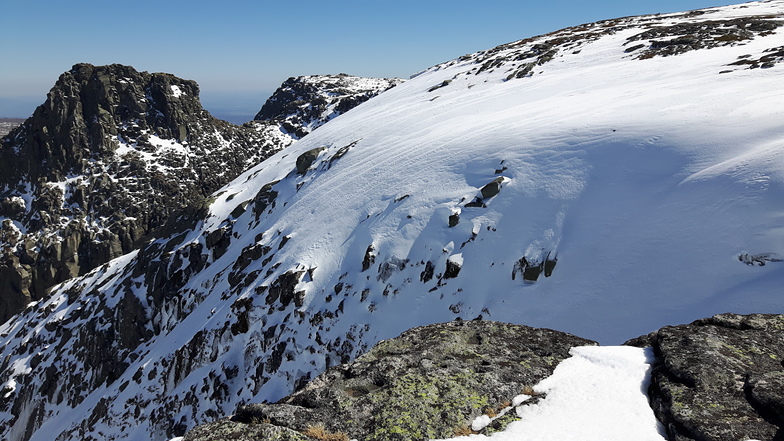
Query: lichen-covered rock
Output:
(429,382)
(720,378)
(225,430)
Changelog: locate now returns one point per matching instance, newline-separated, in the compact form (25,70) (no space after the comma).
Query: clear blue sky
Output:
(239,51)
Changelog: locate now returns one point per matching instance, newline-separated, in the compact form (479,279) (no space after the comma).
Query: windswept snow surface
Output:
(596,395)
(646,177)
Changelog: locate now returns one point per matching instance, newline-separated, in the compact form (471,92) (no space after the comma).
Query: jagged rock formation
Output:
(720,378)
(113,153)
(424,205)
(304,103)
(430,382)
(108,158)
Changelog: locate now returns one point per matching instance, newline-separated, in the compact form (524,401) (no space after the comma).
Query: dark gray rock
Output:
(430,382)
(93,162)
(305,160)
(492,189)
(301,104)
(685,37)
(720,379)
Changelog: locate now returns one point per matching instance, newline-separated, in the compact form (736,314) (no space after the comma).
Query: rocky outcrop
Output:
(110,156)
(303,103)
(720,378)
(430,382)
(114,153)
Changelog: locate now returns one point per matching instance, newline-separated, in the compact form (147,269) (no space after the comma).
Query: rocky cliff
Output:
(564,181)
(304,103)
(114,154)
(106,161)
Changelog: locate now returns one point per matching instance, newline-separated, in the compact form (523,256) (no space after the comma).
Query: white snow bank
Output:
(597,394)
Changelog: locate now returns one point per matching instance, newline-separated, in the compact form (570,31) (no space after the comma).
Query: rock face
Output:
(114,153)
(430,382)
(367,227)
(303,103)
(721,378)
(108,158)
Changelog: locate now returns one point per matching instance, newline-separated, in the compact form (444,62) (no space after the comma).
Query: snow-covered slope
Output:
(603,180)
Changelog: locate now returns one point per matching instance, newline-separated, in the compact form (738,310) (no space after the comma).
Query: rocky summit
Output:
(114,154)
(717,379)
(574,181)
(304,103)
(107,160)
(430,382)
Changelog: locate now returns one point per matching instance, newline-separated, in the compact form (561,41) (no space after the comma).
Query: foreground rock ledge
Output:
(716,379)
(720,378)
(430,382)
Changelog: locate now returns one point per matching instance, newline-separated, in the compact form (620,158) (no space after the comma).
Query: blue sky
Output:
(239,51)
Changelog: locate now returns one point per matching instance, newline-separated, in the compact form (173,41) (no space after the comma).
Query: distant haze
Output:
(235,107)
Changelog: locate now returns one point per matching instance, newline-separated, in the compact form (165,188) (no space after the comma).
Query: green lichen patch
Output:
(430,382)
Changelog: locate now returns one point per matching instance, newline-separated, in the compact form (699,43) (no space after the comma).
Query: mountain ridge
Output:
(111,157)
(639,178)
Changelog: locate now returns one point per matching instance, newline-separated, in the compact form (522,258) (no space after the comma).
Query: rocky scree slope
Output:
(304,103)
(112,156)
(562,181)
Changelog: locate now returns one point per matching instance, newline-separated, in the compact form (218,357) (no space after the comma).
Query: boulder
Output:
(720,378)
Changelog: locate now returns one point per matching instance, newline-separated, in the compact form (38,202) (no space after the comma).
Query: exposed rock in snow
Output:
(304,103)
(644,179)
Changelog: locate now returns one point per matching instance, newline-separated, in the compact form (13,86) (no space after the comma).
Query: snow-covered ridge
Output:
(635,183)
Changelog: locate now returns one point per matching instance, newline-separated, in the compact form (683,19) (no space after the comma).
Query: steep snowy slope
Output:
(602,180)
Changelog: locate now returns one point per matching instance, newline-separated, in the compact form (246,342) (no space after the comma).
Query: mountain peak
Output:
(304,103)
(104,163)
(563,181)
